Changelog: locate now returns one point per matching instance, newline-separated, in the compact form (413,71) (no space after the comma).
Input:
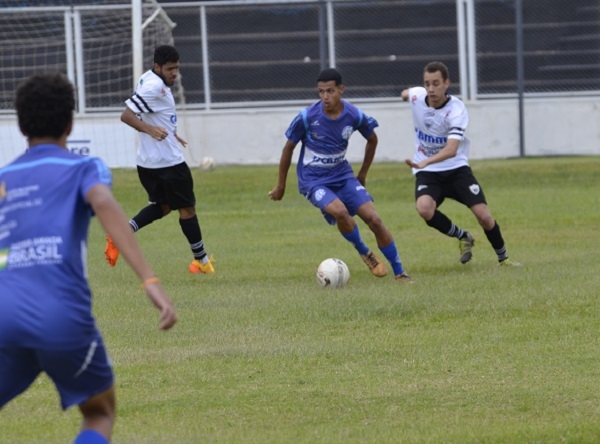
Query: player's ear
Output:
(341,88)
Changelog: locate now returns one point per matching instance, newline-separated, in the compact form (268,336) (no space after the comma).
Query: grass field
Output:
(261,354)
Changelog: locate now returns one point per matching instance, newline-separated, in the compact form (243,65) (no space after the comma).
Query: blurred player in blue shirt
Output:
(327,179)
(47,198)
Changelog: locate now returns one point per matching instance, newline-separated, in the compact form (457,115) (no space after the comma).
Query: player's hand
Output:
(159,298)
(159,133)
(181,141)
(277,193)
(412,164)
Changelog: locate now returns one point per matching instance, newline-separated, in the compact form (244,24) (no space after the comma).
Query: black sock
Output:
(191,230)
(440,222)
(497,241)
(146,216)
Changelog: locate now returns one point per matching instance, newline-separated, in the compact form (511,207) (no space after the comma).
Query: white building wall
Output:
(560,126)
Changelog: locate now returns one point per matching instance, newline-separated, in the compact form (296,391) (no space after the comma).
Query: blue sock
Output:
(90,437)
(355,239)
(391,254)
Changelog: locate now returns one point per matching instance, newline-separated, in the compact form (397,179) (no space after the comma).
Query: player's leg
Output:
(493,233)
(98,413)
(335,213)
(151,181)
(358,201)
(384,238)
(468,191)
(349,230)
(429,195)
(179,188)
(18,370)
(84,377)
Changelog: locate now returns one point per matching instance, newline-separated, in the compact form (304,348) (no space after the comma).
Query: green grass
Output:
(261,354)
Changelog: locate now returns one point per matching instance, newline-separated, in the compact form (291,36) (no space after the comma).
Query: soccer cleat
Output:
(404,278)
(508,263)
(198,267)
(111,253)
(376,267)
(466,245)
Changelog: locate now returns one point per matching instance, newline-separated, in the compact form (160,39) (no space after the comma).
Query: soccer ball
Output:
(333,273)
(207,163)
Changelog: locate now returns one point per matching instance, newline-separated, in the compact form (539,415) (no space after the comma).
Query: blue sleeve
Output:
(298,128)
(366,125)
(94,172)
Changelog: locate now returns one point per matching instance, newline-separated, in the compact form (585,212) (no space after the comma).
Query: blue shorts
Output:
(77,374)
(350,192)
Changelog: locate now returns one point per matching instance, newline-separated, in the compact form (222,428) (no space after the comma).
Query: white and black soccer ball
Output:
(207,163)
(333,273)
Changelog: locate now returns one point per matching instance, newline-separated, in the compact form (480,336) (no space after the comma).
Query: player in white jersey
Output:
(160,163)
(326,178)
(441,164)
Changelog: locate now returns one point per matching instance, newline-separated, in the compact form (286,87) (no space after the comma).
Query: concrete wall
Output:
(561,126)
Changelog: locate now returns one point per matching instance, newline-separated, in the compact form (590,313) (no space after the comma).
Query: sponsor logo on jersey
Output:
(173,119)
(33,252)
(421,187)
(327,160)
(474,188)
(315,123)
(427,138)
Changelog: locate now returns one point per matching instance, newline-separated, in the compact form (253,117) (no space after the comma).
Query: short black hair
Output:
(44,105)
(435,66)
(165,54)
(329,74)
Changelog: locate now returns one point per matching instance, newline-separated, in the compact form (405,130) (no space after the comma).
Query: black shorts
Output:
(459,184)
(172,185)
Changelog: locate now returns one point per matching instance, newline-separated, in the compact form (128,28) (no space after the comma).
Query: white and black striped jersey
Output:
(153,102)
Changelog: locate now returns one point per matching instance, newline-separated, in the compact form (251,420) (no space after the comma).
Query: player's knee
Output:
(487,222)
(101,407)
(425,212)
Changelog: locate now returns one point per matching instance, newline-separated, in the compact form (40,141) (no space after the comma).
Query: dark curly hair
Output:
(45,104)
(165,54)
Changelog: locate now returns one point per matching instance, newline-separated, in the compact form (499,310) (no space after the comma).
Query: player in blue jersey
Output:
(441,163)
(160,163)
(327,179)
(47,198)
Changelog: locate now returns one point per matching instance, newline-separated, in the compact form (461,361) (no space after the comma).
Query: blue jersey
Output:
(325,142)
(45,300)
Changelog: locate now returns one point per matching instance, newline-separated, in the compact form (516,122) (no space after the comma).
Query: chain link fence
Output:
(561,46)
(251,53)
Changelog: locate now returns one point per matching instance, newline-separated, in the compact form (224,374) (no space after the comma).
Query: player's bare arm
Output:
(447,152)
(404,95)
(370,149)
(284,166)
(130,118)
(116,225)
(181,141)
